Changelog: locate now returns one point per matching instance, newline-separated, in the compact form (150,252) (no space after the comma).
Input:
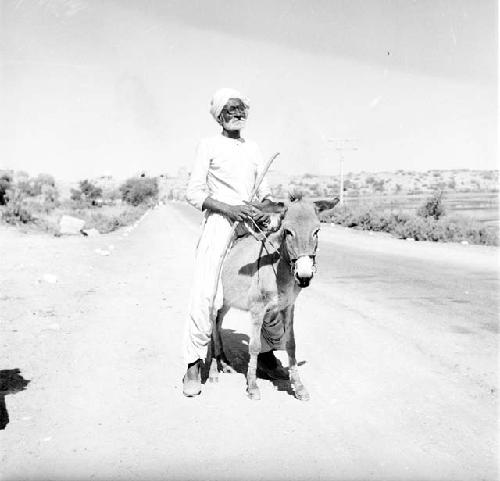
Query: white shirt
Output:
(226,170)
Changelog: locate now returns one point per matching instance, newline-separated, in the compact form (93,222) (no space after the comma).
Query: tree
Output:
(87,191)
(142,190)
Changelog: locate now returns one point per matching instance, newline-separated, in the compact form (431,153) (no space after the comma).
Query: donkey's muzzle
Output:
(303,281)
(304,270)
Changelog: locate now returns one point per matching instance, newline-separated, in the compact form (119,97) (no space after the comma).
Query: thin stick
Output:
(231,234)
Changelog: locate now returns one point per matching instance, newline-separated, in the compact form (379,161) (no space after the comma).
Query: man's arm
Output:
(197,191)
(234,212)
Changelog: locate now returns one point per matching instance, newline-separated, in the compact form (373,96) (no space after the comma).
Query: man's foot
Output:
(268,364)
(192,379)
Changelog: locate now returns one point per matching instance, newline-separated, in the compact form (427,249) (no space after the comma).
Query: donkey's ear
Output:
(295,195)
(321,205)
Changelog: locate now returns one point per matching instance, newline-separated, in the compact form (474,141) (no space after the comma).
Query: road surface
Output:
(397,343)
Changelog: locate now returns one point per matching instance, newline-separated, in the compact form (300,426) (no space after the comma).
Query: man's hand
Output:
(239,213)
(258,216)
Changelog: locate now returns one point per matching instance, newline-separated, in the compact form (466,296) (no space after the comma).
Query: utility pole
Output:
(343,145)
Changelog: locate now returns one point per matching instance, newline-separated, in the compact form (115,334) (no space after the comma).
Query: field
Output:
(481,206)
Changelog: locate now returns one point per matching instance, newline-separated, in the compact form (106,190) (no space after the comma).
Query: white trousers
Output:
(211,245)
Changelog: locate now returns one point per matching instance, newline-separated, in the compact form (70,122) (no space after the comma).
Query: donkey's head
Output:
(300,229)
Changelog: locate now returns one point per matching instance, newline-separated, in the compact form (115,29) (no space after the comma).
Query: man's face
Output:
(234,115)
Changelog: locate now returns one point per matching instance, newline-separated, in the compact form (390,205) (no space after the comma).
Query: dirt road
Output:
(397,343)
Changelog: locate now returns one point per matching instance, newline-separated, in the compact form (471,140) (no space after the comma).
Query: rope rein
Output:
(260,235)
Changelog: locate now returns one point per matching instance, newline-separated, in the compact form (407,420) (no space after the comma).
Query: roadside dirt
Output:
(101,346)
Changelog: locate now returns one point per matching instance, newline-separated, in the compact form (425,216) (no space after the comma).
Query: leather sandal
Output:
(191,382)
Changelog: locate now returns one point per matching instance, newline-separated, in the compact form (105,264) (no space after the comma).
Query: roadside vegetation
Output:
(429,223)
(35,203)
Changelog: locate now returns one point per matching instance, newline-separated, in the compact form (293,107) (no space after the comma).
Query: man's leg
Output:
(199,325)
(273,336)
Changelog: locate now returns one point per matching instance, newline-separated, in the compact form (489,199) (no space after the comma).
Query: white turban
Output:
(220,98)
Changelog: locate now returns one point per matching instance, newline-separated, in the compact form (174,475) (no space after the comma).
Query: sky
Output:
(93,87)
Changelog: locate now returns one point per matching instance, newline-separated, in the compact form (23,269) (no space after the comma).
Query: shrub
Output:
(43,181)
(110,195)
(418,227)
(433,206)
(5,185)
(108,223)
(142,190)
(16,213)
(25,187)
(28,197)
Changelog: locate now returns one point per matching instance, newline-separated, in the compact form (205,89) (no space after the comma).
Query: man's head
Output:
(230,109)
(233,115)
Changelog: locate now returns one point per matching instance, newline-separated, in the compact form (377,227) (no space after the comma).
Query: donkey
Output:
(265,277)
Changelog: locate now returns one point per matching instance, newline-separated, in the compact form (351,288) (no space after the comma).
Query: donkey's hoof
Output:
(228,369)
(254,393)
(301,394)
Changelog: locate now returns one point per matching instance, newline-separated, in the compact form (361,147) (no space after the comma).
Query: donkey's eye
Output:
(289,232)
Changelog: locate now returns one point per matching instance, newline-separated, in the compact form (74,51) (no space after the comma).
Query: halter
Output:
(258,234)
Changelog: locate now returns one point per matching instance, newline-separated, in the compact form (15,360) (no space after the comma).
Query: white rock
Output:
(92,232)
(50,278)
(410,239)
(464,243)
(70,225)
(111,247)
(54,327)
(102,252)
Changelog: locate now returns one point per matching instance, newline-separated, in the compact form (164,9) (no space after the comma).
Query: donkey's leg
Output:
(299,389)
(216,346)
(213,373)
(254,345)
(219,359)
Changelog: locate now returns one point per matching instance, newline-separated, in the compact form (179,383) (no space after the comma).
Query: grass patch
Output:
(105,219)
(108,218)
(453,228)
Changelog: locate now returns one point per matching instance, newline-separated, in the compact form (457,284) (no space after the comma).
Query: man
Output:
(222,179)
